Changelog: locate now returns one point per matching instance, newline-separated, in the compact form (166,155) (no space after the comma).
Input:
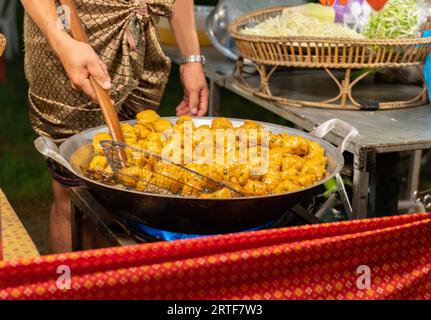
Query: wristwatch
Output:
(194,58)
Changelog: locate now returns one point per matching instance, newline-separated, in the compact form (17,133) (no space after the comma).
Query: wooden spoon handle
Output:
(108,110)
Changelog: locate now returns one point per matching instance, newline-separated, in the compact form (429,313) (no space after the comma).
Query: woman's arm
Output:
(183,25)
(78,59)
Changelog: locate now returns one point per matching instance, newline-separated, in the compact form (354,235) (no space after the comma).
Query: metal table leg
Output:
(363,164)
(93,226)
(414,174)
(77,228)
(410,203)
(214,99)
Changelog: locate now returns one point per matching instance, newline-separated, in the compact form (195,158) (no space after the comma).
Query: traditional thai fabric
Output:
(123,34)
(15,242)
(310,262)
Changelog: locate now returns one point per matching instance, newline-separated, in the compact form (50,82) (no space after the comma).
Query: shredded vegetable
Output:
(398,19)
(293,23)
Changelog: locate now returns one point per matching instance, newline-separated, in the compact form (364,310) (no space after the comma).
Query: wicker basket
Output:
(2,44)
(326,53)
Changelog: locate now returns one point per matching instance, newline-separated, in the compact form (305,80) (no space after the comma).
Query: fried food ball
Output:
(255,188)
(250,124)
(287,186)
(253,151)
(271,179)
(258,166)
(101,136)
(203,135)
(222,172)
(276,155)
(144,186)
(162,125)
(259,136)
(193,187)
(295,145)
(108,173)
(167,176)
(136,157)
(316,151)
(241,173)
(315,168)
(223,193)
(292,162)
(182,122)
(306,180)
(275,141)
(98,163)
(289,174)
(130,176)
(253,135)
(147,117)
(204,126)
(181,128)
(154,136)
(141,131)
(153,146)
(183,119)
(216,173)
(233,183)
(129,134)
(221,123)
(197,180)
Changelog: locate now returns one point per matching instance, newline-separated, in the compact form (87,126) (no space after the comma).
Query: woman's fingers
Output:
(203,102)
(182,105)
(87,88)
(75,87)
(193,104)
(97,70)
(104,67)
(183,109)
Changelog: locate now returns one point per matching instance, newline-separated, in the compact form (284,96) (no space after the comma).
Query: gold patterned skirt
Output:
(124,36)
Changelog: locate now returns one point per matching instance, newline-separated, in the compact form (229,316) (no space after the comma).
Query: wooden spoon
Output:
(105,103)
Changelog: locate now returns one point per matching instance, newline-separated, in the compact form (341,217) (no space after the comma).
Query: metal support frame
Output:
(414,174)
(214,99)
(93,226)
(363,167)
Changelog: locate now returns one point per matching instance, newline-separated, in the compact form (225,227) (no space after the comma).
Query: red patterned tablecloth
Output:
(310,262)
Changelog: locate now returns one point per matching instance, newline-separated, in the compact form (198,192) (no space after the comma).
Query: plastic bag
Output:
(354,13)
(383,19)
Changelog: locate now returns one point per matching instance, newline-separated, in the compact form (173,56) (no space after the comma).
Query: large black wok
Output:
(192,215)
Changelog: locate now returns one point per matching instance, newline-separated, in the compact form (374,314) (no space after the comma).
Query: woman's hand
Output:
(80,62)
(195,101)
(78,59)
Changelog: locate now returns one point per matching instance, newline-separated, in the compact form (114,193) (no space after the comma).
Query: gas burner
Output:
(143,233)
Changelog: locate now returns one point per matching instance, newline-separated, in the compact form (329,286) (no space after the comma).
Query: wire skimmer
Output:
(146,171)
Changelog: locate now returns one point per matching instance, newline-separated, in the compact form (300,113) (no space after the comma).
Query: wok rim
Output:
(339,164)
